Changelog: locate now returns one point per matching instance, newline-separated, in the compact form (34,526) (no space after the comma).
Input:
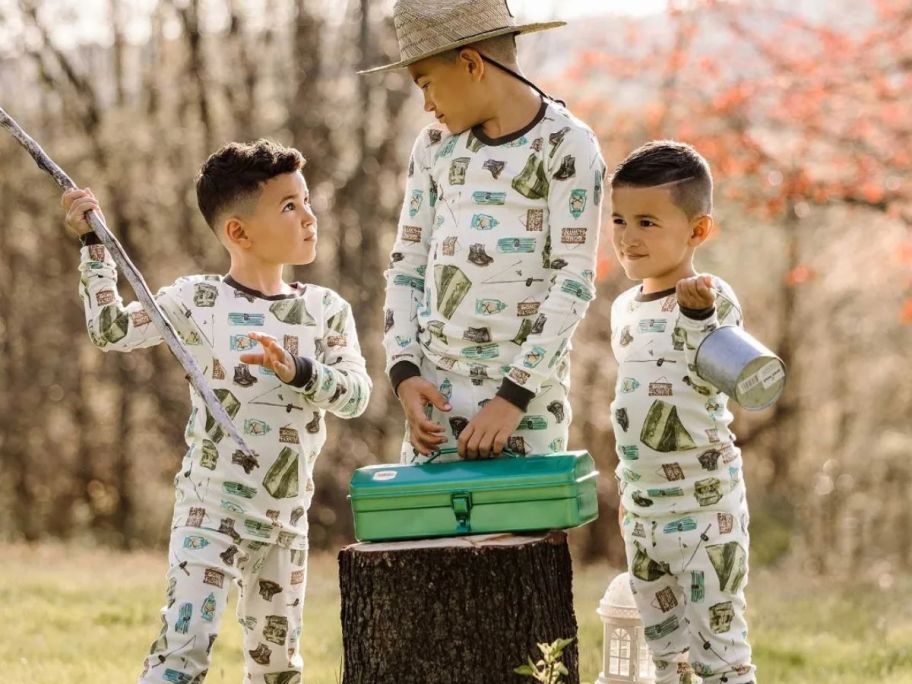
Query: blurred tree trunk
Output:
(241,95)
(785,412)
(196,68)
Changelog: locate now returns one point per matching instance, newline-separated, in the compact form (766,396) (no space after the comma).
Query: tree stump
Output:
(460,610)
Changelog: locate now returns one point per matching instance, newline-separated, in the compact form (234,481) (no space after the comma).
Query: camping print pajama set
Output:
(492,270)
(679,472)
(238,517)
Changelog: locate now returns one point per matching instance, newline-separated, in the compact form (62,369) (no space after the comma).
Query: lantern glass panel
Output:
(619,652)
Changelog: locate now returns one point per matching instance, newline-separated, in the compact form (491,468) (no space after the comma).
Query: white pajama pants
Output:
(544,429)
(270,581)
(688,575)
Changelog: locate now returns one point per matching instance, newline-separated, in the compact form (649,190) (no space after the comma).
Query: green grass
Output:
(71,616)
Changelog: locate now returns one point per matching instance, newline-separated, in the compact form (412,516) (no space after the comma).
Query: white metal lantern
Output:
(626,657)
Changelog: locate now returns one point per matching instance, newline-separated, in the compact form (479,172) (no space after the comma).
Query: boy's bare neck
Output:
(264,279)
(667,281)
(516,106)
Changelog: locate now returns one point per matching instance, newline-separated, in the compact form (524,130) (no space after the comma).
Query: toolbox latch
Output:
(462,505)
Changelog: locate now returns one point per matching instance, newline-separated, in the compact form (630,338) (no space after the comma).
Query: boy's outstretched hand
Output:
(696,292)
(486,434)
(415,394)
(274,357)
(77,203)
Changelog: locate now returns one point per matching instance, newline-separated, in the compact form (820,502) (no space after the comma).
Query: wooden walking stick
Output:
(159,320)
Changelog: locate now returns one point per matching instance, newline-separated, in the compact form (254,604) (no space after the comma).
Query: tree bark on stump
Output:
(463,610)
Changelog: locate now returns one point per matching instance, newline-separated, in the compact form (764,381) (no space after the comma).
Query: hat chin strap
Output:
(522,78)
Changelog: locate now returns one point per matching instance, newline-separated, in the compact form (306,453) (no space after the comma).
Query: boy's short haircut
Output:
(667,162)
(499,48)
(235,173)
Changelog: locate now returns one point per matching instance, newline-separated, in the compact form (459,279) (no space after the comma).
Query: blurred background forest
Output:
(802,108)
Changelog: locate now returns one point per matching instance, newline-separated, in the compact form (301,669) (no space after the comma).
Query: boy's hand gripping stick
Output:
(159,320)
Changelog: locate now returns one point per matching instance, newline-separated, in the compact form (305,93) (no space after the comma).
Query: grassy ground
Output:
(69,616)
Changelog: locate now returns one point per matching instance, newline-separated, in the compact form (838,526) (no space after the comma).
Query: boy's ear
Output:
(235,231)
(701,229)
(472,62)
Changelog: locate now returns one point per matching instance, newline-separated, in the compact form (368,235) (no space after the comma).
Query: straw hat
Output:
(429,27)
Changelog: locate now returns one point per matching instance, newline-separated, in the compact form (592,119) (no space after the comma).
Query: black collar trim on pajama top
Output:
(479,133)
(228,280)
(653,296)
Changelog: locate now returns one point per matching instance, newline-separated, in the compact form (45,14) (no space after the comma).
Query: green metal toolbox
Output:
(474,497)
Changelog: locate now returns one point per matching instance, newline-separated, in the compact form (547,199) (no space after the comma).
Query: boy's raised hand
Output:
(415,393)
(274,357)
(77,203)
(696,292)
(486,434)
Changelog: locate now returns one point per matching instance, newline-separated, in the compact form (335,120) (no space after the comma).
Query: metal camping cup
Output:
(742,367)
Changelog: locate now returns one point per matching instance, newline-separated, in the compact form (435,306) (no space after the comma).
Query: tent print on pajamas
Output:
(292,311)
(663,430)
(730,563)
(282,479)
(452,286)
(533,181)
(113,323)
(232,406)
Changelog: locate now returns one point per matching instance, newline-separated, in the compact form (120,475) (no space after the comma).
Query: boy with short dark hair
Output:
(240,516)
(493,266)
(684,506)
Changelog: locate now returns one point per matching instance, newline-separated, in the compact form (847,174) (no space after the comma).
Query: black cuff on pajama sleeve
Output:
(516,395)
(304,372)
(403,370)
(698,314)
(89,238)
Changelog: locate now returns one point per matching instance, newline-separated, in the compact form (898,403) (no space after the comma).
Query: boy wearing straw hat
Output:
(493,265)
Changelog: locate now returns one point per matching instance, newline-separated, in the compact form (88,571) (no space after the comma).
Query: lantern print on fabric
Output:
(491,279)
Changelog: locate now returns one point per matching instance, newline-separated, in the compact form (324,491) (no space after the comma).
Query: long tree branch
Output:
(194,374)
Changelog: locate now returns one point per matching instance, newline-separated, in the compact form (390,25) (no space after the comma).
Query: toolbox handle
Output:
(462,507)
(506,453)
